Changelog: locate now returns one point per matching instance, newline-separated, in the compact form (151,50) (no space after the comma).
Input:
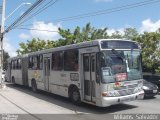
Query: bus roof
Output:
(72,46)
(76,46)
(17,57)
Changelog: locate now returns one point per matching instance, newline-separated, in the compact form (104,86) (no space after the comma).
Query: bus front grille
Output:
(128,90)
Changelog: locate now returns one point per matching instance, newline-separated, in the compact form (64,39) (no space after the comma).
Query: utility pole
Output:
(1,39)
(2,31)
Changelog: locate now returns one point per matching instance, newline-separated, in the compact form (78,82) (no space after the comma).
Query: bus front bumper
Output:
(107,101)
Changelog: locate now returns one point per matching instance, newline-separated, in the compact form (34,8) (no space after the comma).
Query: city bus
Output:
(101,72)
(17,72)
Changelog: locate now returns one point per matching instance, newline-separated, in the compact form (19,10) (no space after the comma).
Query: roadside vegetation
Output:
(150,42)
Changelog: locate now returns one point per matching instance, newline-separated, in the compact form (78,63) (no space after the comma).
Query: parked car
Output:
(150,89)
(153,78)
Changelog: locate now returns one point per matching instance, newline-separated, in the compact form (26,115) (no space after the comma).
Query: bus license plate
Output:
(154,91)
(128,99)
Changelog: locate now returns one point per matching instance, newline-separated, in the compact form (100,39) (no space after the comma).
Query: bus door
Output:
(89,68)
(47,67)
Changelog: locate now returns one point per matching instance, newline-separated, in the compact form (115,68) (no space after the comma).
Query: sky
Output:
(143,18)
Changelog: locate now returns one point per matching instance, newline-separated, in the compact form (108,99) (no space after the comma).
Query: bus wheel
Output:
(34,86)
(75,96)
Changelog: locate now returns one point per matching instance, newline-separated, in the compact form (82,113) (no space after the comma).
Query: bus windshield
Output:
(120,65)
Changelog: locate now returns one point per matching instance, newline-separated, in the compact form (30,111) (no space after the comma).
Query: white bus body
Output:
(82,71)
(17,71)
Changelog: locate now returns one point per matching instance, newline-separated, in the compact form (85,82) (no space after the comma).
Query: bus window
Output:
(30,65)
(38,61)
(19,64)
(93,63)
(86,63)
(12,63)
(15,64)
(57,61)
(35,65)
(41,62)
(71,60)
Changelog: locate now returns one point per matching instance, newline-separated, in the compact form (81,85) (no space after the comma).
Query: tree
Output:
(150,43)
(116,35)
(5,58)
(67,37)
(34,45)
(99,34)
(87,33)
(130,33)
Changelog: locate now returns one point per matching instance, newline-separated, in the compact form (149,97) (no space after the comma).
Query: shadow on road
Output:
(65,102)
(149,98)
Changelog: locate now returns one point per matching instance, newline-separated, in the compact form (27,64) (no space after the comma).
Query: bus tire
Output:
(75,96)
(34,86)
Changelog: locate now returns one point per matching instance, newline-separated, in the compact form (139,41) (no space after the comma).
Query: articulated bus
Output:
(101,72)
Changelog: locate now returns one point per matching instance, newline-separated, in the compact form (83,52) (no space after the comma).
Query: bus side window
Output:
(57,61)
(53,60)
(15,64)
(71,60)
(93,63)
(30,65)
(41,62)
(35,63)
(19,63)
(86,63)
(11,65)
(98,66)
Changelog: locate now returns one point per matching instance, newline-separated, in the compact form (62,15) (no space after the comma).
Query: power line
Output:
(50,3)
(111,10)
(37,29)
(36,4)
(106,11)
(115,9)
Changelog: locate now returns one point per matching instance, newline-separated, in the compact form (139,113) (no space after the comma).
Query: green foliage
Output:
(87,33)
(150,43)
(116,35)
(34,45)
(130,33)
(5,62)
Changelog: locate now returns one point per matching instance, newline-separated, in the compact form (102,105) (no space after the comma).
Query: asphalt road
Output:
(21,103)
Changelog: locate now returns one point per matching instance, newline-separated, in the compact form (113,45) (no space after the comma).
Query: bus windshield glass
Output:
(120,65)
